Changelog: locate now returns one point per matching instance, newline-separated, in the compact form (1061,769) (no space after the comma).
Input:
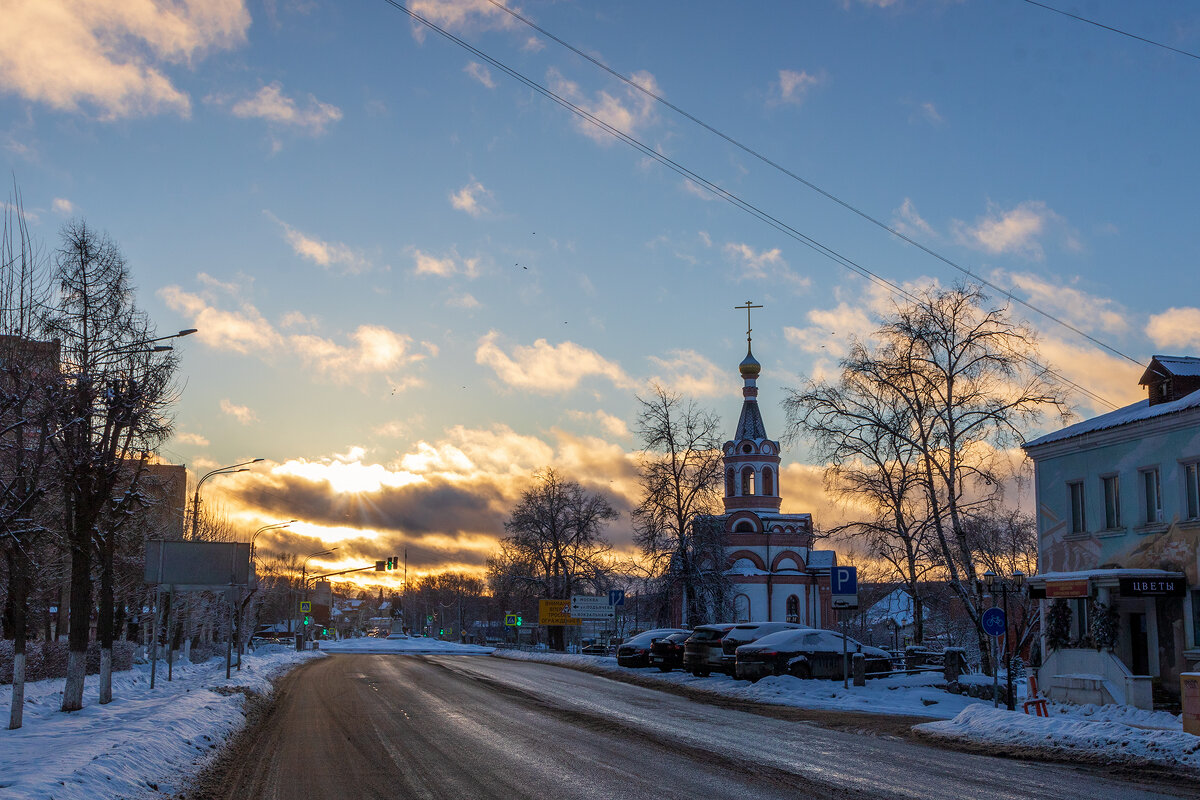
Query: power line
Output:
(724,194)
(824,193)
(1111,28)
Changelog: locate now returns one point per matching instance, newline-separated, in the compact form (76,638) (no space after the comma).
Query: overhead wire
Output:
(714,188)
(814,187)
(1111,28)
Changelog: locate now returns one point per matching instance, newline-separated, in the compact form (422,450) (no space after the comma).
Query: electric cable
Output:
(1111,28)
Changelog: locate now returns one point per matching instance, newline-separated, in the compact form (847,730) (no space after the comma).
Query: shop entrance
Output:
(1140,644)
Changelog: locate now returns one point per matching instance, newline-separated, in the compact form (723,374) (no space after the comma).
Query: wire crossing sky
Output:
(416,281)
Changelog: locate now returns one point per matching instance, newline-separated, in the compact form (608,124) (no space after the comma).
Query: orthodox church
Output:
(774,572)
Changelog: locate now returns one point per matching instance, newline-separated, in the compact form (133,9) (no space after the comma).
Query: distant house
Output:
(1118,512)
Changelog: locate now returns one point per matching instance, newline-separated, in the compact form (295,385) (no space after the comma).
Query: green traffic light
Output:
(518,622)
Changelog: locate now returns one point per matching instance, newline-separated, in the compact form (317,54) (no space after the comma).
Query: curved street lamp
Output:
(219,471)
(270,527)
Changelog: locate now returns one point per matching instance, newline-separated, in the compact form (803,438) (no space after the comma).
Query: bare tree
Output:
(680,471)
(965,377)
(29,390)
(863,437)
(1006,541)
(555,543)
(118,387)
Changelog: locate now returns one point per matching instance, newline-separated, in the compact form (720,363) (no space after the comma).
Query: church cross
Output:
(748,306)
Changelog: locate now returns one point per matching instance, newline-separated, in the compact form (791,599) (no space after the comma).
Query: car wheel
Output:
(802,671)
(664,668)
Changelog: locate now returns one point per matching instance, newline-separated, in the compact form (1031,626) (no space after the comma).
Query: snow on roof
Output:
(1183,366)
(821,559)
(896,607)
(1104,572)
(1141,410)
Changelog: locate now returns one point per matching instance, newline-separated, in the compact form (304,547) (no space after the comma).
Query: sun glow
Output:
(348,476)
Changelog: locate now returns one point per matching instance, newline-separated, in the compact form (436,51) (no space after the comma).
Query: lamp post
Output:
(219,471)
(270,527)
(994,582)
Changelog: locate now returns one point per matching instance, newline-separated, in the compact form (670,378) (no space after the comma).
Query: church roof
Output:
(750,424)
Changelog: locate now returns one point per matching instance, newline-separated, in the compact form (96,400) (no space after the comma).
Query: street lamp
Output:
(994,582)
(219,471)
(303,633)
(270,527)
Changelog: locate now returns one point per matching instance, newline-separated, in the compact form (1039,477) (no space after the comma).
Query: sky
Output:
(418,279)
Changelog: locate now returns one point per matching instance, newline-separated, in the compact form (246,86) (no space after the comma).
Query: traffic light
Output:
(395,562)
(441,631)
(518,622)
(307,619)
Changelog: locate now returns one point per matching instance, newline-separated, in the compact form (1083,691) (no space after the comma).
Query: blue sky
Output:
(417,280)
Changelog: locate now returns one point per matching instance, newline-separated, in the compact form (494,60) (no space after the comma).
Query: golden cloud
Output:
(544,368)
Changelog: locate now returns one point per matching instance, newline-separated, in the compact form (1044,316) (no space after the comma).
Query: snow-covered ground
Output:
(414,645)
(144,743)
(1103,733)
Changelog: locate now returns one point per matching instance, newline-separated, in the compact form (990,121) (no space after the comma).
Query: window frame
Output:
(1110,487)
(1191,489)
(1152,514)
(1077,497)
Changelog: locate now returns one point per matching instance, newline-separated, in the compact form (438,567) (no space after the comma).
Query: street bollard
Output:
(858,667)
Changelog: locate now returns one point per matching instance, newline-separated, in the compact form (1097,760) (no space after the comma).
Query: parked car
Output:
(744,634)
(667,653)
(805,653)
(702,650)
(635,651)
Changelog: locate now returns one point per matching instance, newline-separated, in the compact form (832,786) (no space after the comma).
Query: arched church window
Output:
(729,483)
(741,608)
(744,526)
(747,448)
(793,609)
(748,481)
(768,482)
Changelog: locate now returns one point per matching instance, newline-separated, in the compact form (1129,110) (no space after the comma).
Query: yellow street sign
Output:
(556,612)
(305,606)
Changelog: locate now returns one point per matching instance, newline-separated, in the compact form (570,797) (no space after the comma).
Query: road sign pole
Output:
(845,656)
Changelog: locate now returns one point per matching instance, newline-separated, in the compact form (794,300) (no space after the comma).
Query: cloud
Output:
(691,374)
(322,253)
(613,426)
(1175,327)
(110,55)
(906,220)
(459,15)
(273,106)
(830,330)
(444,500)
(62,205)
(243,414)
(446,266)
(764,265)
(470,199)
(371,349)
(929,113)
(1014,231)
(194,439)
(1083,310)
(629,113)
(545,368)
(480,73)
(793,87)
(463,300)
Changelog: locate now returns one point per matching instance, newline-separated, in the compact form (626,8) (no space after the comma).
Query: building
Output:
(1118,513)
(774,572)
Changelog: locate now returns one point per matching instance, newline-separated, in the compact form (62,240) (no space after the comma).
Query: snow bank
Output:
(416,645)
(1103,733)
(142,743)
(908,695)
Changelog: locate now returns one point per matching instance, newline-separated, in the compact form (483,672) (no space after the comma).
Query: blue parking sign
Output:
(845,580)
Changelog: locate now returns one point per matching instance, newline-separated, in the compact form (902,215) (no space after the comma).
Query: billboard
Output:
(194,566)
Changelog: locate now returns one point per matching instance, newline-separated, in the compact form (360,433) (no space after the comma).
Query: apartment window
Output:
(1112,502)
(1152,496)
(1078,519)
(1192,487)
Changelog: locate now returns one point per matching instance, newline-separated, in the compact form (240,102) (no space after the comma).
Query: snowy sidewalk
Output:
(143,743)
(1090,733)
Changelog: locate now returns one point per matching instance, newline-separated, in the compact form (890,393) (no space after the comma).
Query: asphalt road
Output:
(385,726)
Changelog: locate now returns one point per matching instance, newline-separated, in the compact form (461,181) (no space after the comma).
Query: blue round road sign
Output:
(994,622)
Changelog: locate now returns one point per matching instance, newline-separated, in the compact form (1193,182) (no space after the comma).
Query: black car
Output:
(667,654)
(635,651)
(702,651)
(805,653)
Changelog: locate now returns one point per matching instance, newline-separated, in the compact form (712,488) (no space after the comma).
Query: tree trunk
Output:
(81,612)
(18,588)
(104,624)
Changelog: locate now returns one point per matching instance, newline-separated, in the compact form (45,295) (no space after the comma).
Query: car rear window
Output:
(707,635)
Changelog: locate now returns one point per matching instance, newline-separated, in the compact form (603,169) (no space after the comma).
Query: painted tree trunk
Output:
(17,712)
(81,606)
(105,675)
